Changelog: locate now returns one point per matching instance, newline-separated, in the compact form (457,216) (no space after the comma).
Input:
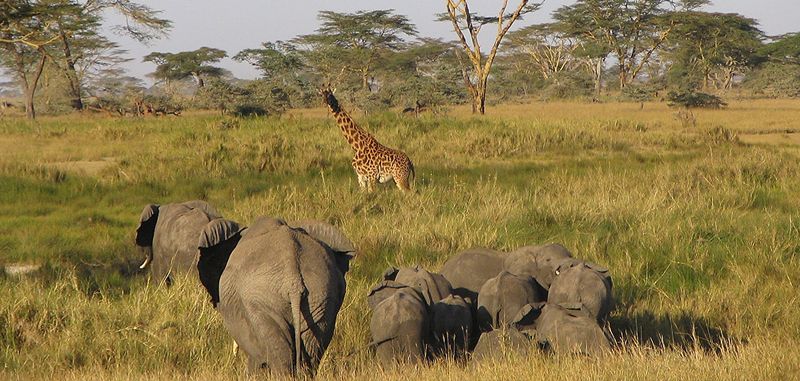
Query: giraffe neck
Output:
(351,131)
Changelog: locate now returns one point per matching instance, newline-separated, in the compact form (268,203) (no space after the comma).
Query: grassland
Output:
(700,227)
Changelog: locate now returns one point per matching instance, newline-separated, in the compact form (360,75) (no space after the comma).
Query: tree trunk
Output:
(365,81)
(598,78)
(480,99)
(72,75)
(30,91)
(199,79)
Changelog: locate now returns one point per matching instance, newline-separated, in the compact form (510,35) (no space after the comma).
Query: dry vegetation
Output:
(700,227)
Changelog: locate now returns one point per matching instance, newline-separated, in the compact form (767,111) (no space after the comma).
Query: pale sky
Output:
(234,25)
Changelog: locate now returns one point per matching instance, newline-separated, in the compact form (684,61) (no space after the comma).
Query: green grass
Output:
(701,232)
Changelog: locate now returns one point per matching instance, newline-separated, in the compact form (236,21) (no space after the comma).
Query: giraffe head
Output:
(326,91)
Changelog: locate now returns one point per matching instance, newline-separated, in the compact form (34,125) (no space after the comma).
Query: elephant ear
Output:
(327,234)
(147,225)
(332,237)
(205,207)
(216,243)
(218,231)
(525,318)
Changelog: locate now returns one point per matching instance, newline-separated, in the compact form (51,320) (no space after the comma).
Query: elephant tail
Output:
(298,329)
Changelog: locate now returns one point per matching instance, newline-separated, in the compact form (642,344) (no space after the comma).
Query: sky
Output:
(235,25)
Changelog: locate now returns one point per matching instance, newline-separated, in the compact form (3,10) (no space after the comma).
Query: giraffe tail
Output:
(412,176)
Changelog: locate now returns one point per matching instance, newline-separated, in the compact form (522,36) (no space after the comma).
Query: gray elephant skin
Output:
(451,325)
(502,298)
(568,329)
(432,286)
(168,236)
(399,326)
(497,343)
(468,270)
(584,283)
(539,262)
(279,288)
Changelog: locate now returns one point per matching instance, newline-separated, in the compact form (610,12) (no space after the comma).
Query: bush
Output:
(691,99)
(688,100)
(256,98)
(775,80)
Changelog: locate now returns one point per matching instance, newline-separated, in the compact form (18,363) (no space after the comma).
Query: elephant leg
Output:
(265,338)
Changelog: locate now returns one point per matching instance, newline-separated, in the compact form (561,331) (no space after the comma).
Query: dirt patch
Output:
(777,139)
(86,167)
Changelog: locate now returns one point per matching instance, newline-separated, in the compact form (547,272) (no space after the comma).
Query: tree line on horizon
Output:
(639,50)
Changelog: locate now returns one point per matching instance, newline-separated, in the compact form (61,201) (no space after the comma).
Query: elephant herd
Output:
(489,302)
(279,286)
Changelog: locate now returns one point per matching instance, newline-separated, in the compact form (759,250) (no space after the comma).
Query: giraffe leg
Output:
(362,181)
(402,183)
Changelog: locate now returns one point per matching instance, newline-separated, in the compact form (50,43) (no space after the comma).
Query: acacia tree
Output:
(82,46)
(26,29)
(182,65)
(710,48)
(464,20)
(282,65)
(425,75)
(549,50)
(631,30)
(356,42)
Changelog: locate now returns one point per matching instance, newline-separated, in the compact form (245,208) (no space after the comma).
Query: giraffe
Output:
(373,162)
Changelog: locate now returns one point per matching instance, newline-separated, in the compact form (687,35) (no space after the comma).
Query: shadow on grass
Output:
(681,331)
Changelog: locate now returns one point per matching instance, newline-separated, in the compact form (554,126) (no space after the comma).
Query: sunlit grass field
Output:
(700,227)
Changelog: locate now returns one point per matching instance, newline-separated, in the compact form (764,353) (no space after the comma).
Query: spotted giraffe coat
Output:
(373,162)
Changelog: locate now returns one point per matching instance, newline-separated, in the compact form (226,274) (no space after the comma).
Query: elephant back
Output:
(469,270)
(399,327)
(495,345)
(433,287)
(175,239)
(584,283)
(567,329)
(204,206)
(503,297)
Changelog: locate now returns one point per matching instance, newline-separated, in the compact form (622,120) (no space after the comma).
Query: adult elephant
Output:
(167,234)
(279,288)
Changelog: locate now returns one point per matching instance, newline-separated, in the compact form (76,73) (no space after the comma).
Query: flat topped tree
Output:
(373,162)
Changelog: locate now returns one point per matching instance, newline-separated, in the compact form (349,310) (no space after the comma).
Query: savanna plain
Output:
(700,227)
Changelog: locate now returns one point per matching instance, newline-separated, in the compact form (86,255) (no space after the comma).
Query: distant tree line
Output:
(615,49)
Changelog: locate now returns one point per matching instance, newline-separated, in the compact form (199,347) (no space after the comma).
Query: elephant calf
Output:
(451,325)
(498,343)
(168,235)
(583,283)
(539,262)
(503,297)
(399,327)
(433,287)
(567,329)
(278,288)
(469,270)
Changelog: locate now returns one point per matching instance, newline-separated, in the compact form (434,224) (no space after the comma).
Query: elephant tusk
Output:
(148,257)
(235,348)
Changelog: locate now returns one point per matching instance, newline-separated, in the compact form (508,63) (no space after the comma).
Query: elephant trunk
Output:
(148,251)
